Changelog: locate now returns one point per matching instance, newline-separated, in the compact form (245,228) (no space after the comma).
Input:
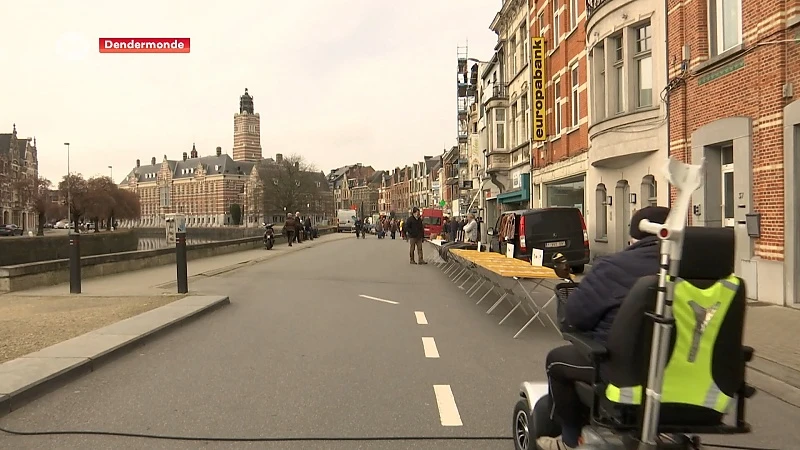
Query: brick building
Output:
(735,71)
(19,164)
(559,157)
(400,192)
(201,187)
(204,187)
(344,179)
(366,194)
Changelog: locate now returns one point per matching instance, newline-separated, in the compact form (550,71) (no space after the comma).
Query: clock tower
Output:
(246,131)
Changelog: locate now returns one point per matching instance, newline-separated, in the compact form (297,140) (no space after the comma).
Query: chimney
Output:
(153,161)
(219,151)
(278,158)
(138,163)
(184,156)
(194,152)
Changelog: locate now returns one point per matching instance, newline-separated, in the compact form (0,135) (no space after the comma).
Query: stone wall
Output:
(210,234)
(47,273)
(27,249)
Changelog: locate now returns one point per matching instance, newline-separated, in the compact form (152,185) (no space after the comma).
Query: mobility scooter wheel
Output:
(529,427)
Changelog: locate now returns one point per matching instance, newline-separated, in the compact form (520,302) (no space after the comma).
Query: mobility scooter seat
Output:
(705,372)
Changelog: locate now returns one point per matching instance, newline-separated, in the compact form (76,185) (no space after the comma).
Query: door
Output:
(728,202)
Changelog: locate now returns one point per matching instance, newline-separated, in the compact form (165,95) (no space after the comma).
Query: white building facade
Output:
(628,131)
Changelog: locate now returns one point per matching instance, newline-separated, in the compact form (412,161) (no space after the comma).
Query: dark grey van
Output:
(553,230)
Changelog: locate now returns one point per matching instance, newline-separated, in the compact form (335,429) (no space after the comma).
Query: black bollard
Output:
(74,263)
(180,259)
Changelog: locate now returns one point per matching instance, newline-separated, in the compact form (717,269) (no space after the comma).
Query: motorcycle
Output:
(269,236)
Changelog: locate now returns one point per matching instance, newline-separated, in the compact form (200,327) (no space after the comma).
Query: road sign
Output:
(442,203)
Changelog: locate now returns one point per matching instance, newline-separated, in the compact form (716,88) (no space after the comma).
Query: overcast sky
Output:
(338,81)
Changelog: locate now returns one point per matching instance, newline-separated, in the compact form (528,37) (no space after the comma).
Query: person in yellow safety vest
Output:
(402,230)
(591,309)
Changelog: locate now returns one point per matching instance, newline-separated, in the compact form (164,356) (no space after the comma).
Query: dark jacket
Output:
(414,228)
(591,308)
(290,225)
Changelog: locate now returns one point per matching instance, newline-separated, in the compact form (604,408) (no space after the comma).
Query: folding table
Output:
(514,269)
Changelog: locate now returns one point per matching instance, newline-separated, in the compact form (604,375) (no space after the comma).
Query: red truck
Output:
(432,219)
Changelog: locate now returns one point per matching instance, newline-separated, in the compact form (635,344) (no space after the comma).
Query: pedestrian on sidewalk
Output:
(308,228)
(394,226)
(415,232)
(289,228)
(298,227)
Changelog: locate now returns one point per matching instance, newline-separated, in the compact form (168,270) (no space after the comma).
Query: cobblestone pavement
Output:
(29,324)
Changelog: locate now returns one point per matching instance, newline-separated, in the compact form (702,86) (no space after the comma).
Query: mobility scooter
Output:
(674,364)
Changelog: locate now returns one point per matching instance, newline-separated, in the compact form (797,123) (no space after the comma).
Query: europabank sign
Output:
(538,83)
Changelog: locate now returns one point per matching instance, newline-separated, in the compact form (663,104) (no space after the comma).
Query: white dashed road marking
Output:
(421,319)
(448,411)
(430,347)
(379,299)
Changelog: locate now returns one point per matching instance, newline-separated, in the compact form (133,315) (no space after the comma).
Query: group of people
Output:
(465,229)
(297,229)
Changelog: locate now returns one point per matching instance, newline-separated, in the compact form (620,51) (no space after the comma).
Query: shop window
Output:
(649,194)
(601,212)
(728,202)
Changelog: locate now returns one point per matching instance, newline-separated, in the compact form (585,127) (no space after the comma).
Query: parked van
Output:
(346,220)
(553,230)
(432,221)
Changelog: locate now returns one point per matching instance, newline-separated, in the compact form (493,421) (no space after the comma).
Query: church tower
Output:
(246,131)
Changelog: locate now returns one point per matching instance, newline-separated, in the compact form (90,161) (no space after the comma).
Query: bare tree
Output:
(74,189)
(126,205)
(288,184)
(99,200)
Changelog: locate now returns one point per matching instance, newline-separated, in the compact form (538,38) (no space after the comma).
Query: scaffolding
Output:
(466,92)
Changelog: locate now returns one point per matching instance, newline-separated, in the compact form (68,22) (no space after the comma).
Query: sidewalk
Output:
(772,331)
(161,280)
(37,318)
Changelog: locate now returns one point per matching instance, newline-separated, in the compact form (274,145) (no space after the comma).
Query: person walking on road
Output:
(289,228)
(298,227)
(415,230)
(393,228)
(471,229)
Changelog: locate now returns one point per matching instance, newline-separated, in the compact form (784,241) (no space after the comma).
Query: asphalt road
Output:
(299,353)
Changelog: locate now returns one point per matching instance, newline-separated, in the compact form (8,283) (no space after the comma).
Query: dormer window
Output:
(216,167)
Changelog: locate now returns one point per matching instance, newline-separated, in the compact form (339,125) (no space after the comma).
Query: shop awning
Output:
(521,195)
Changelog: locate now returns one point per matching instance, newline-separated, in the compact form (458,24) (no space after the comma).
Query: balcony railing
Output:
(499,91)
(592,6)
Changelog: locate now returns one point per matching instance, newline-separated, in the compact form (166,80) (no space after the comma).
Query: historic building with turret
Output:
(19,165)
(203,187)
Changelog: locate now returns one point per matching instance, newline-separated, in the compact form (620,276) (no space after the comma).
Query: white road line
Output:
(379,299)
(448,411)
(421,319)
(429,345)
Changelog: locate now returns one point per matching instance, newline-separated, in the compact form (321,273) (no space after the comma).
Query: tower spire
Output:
(246,103)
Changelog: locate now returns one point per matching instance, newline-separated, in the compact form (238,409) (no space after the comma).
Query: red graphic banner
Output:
(144,45)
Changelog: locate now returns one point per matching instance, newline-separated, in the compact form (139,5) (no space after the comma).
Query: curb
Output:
(30,376)
(775,379)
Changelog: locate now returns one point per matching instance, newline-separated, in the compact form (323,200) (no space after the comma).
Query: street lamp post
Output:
(111,219)
(69,190)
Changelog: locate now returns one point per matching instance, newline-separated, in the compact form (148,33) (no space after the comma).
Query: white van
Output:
(347,220)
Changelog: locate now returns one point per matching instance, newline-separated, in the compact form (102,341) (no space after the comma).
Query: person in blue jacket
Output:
(590,310)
